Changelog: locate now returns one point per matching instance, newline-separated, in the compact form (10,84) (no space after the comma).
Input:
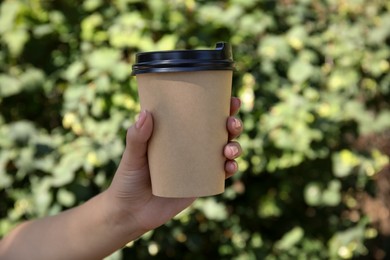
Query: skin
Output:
(122,213)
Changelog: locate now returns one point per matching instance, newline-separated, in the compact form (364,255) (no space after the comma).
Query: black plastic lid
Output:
(185,60)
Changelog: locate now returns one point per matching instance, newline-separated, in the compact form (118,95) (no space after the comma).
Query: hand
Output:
(131,193)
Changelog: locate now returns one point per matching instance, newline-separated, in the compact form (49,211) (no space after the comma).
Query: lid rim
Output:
(184,60)
(180,69)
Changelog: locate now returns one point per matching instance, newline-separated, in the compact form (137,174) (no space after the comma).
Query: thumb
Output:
(138,135)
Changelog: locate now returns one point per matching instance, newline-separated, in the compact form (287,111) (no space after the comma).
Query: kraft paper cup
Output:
(190,106)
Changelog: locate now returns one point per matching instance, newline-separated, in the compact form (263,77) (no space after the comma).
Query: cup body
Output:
(189,111)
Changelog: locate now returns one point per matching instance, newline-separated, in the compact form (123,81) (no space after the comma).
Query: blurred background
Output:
(313,76)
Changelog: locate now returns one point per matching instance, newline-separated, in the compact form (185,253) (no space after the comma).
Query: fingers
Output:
(234,127)
(231,167)
(137,138)
(235,104)
(232,150)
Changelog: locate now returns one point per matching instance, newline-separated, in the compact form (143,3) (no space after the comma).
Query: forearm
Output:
(90,231)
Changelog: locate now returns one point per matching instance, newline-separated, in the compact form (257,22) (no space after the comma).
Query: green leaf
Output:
(268,207)
(344,243)
(121,71)
(21,132)
(65,171)
(90,5)
(168,42)
(89,25)
(331,196)
(6,180)
(212,209)
(66,198)
(74,70)
(313,194)
(290,239)
(274,48)
(8,13)
(15,40)
(41,195)
(344,162)
(300,71)
(32,78)
(343,79)
(9,86)
(103,59)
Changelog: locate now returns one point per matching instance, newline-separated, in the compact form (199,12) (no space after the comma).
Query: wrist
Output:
(119,220)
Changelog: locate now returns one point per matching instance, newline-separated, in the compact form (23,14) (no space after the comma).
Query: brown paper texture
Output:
(189,111)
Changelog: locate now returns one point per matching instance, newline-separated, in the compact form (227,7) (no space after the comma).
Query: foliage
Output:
(313,77)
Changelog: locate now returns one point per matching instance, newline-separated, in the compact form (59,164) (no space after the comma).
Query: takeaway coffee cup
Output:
(188,93)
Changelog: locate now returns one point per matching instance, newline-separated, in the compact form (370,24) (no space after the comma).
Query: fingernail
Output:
(233,151)
(234,166)
(141,119)
(238,101)
(237,124)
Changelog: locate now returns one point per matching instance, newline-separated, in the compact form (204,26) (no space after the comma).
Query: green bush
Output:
(314,80)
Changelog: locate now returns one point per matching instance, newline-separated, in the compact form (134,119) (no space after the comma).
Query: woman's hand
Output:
(130,194)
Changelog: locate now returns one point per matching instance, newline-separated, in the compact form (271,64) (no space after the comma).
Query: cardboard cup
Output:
(189,111)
